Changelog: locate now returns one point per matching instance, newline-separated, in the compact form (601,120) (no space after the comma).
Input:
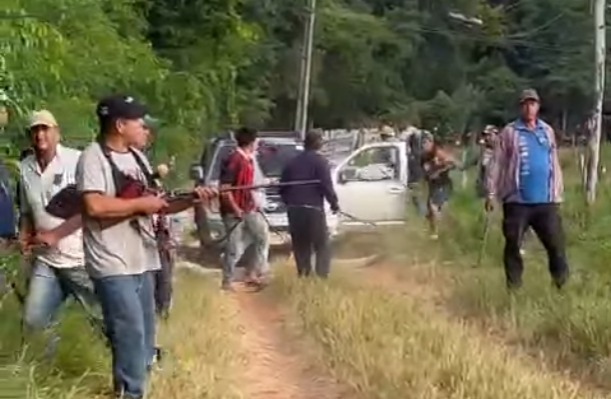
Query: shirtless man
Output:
(436,164)
(118,234)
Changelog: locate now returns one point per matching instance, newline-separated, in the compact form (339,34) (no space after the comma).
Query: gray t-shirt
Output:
(121,249)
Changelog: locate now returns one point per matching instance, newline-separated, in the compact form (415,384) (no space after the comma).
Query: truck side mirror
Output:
(196,173)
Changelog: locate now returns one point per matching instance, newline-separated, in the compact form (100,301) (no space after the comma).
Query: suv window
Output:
(271,157)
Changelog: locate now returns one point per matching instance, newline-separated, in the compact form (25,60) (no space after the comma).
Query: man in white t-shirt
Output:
(119,237)
(58,268)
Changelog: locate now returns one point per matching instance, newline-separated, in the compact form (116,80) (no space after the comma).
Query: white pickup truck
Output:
(371,183)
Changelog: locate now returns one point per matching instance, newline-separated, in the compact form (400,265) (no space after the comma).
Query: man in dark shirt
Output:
(244,223)
(307,222)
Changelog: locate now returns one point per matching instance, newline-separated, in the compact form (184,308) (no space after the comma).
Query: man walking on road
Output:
(243,220)
(58,269)
(525,176)
(307,221)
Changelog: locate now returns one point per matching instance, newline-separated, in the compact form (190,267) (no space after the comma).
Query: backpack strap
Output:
(118,176)
(148,176)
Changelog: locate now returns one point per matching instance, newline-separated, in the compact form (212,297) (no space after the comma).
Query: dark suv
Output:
(273,151)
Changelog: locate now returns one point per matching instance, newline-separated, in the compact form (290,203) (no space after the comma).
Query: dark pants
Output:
(163,284)
(545,221)
(129,315)
(308,228)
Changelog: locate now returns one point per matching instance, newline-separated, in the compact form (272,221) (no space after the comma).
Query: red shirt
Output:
(238,170)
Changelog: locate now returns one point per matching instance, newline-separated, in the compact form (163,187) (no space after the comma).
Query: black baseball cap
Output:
(120,107)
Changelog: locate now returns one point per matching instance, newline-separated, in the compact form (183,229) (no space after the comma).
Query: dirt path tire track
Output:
(276,367)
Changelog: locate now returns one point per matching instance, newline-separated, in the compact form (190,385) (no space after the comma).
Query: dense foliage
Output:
(206,65)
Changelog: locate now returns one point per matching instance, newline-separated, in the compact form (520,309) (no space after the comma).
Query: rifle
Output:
(188,194)
(68,202)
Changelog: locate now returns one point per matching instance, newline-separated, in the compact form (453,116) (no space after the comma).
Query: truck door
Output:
(372,183)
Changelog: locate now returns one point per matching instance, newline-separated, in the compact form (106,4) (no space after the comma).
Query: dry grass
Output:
(203,340)
(389,346)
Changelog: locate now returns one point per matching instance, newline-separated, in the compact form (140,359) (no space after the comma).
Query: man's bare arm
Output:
(102,206)
(26,228)
(229,197)
(69,226)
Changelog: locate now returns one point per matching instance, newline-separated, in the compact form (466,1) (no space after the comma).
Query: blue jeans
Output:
(252,229)
(49,287)
(129,317)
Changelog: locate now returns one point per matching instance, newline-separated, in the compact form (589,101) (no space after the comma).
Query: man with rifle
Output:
(115,180)
(58,261)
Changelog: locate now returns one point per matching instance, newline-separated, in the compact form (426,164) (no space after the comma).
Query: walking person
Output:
(436,165)
(525,176)
(415,178)
(305,203)
(244,223)
(58,270)
(117,233)
(487,142)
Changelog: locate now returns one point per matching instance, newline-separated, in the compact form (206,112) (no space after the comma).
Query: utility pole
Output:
(595,134)
(301,116)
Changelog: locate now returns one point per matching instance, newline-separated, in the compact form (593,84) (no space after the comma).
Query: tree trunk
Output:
(594,142)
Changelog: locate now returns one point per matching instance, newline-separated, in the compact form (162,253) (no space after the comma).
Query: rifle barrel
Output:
(188,194)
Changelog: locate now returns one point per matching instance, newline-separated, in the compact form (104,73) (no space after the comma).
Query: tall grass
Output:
(200,338)
(389,346)
(574,325)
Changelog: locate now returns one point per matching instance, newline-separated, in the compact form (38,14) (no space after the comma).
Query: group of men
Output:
(106,257)
(519,168)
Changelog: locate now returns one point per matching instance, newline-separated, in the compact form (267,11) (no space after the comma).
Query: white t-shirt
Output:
(121,249)
(36,190)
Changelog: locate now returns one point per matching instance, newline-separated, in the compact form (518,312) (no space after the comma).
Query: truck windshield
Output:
(271,157)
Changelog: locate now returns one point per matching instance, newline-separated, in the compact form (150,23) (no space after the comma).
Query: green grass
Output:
(201,339)
(388,345)
(573,327)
